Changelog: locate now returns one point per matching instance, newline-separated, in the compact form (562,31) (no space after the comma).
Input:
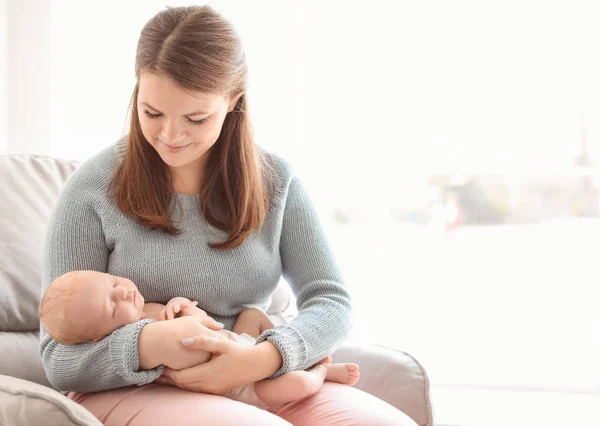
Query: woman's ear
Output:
(233,102)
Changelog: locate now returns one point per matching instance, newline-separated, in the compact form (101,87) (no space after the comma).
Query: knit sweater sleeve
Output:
(324,305)
(75,240)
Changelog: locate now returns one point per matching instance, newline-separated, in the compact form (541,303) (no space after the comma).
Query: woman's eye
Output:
(197,121)
(150,115)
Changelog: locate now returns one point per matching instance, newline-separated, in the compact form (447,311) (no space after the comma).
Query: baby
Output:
(84,306)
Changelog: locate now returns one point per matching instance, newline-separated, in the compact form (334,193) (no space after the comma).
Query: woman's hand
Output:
(232,365)
(160,342)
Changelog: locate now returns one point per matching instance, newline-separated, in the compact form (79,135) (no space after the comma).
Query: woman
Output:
(186,205)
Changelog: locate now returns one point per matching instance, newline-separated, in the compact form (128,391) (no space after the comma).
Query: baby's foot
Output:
(346,374)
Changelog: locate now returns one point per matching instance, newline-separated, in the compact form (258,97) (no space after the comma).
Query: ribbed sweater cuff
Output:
(124,354)
(290,344)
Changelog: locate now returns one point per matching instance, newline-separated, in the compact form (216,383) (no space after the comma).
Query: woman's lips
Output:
(174,149)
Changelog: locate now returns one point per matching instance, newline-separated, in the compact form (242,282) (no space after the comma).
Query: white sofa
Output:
(29,186)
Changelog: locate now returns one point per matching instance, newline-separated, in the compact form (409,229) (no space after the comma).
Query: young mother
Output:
(187,205)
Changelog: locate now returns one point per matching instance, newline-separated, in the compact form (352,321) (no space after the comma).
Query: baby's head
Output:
(83,306)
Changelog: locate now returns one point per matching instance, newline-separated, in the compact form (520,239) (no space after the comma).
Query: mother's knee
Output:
(343,405)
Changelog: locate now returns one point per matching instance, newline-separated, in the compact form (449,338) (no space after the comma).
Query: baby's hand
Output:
(193,311)
(175,306)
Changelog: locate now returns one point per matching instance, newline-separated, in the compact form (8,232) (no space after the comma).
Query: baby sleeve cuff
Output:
(123,349)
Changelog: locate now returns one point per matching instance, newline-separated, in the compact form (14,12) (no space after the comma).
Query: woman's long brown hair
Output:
(201,51)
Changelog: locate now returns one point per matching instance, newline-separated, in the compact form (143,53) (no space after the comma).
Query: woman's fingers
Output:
(230,366)
(205,343)
(210,323)
(193,378)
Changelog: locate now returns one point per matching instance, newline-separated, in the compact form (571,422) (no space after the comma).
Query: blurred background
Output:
(451,148)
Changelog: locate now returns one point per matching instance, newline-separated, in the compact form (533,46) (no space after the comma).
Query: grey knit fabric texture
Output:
(88,232)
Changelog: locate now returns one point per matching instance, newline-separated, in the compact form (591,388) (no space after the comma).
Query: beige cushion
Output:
(391,375)
(28,404)
(28,190)
(20,356)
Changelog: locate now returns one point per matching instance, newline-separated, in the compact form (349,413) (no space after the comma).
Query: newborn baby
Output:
(84,306)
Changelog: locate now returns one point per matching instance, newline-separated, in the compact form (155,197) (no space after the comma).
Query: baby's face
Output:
(104,302)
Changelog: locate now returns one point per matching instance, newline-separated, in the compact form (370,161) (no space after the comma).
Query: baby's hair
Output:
(54,311)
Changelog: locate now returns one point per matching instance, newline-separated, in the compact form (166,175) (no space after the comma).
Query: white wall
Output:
(28,75)
(412,85)
(3,77)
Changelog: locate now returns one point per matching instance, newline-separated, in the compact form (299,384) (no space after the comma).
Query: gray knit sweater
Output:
(87,232)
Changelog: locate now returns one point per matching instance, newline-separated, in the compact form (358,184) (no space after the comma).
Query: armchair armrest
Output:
(393,376)
(29,404)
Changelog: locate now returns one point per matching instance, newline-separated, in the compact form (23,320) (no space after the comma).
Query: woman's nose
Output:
(172,133)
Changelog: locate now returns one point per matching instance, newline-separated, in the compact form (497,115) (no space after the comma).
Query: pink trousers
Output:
(156,404)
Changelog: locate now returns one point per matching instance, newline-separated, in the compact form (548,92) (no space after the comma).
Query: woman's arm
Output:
(309,266)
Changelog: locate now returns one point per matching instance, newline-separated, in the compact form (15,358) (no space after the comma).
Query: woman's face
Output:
(181,125)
